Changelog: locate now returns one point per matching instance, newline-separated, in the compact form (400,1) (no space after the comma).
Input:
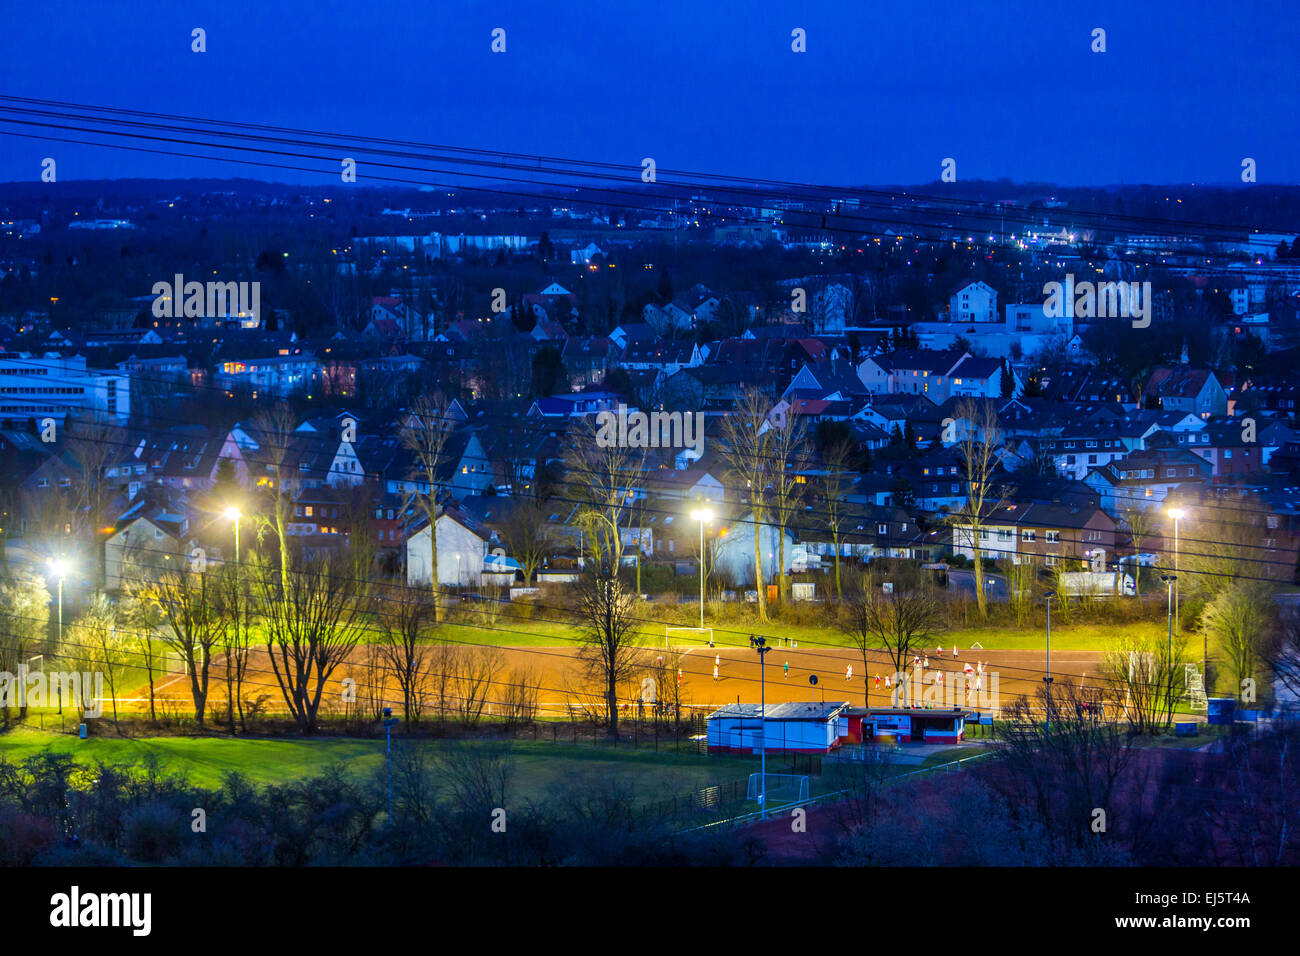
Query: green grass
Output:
(1065,637)
(202,759)
(540,767)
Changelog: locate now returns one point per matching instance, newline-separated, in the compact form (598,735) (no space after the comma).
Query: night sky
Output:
(884,93)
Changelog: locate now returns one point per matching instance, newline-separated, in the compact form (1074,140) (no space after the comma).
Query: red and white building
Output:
(906,725)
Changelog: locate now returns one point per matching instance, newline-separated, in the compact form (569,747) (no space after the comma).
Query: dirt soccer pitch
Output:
(563,686)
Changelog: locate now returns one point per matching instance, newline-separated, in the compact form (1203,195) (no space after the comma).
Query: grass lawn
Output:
(1065,637)
(540,767)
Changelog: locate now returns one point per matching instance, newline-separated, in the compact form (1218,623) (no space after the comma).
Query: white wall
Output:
(460,555)
(735,553)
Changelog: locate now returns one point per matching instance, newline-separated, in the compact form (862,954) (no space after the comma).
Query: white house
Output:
(973,302)
(151,536)
(583,256)
(462,552)
(735,552)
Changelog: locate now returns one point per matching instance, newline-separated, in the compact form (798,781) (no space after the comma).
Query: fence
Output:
(952,766)
(733,794)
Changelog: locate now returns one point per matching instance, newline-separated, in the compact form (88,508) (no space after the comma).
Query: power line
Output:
(535,162)
(825,227)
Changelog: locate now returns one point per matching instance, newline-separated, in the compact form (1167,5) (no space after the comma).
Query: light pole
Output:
(1177,514)
(760,644)
(234,514)
(389,721)
(60,569)
(1047,681)
(1170,581)
(703,516)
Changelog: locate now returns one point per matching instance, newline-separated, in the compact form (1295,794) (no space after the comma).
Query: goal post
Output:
(683,635)
(782,788)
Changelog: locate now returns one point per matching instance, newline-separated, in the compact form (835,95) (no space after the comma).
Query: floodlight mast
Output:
(703,516)
(760,644)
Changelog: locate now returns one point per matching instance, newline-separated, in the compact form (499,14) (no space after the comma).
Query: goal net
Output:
(688,635)
(782,788)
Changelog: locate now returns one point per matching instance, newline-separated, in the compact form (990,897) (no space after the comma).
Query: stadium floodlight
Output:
(389,721)
(59,568)
(234,514)
(760,644)
(1047,680)
(1169,580)
(1178,514)
(703,516)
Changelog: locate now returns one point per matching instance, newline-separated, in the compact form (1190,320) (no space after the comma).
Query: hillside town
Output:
(161,401)
(530,457)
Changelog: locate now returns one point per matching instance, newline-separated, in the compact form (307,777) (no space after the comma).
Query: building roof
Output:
(796,710)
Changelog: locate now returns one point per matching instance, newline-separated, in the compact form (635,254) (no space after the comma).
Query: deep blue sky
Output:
(885,91)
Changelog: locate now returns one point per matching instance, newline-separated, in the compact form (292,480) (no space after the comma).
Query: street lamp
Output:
(703,516)
(234,514)
(1170,580)
(389,721)
(59,568)
(1177,514)
(1048,679)
(760,644)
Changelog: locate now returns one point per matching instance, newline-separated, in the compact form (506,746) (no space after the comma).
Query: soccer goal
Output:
(688,635)
(782,788)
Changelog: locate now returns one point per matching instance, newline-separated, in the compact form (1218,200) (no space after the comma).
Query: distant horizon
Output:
(329,181)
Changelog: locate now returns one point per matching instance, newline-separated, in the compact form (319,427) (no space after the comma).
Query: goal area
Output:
(782,788)
(688,635)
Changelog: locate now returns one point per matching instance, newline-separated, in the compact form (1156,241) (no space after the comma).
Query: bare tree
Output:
(1257,805)
(1284,661)
(404,622)
(607,636)
(526,533)
(977,447)
(144,618)
(1069,767)
(1142,672)
(747,449)
(1244,617)
(24,623)
(605,477)
(358,513)
(898,617)
(787,485)
(476,675)
(187,601)
(1138,522)
(520,697)
(312,623)
(1021,579)
(425,432)
(93,443)
(236,619)
(93,637)
(835,485)
(275,428)
(1218,546)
